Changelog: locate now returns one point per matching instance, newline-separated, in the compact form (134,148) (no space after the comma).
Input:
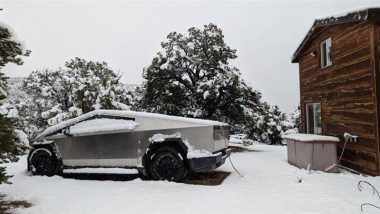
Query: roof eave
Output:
(356,16)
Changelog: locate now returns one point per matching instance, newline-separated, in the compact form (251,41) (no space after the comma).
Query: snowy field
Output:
(269,185)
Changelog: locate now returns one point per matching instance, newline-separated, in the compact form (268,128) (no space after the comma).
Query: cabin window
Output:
(326,53)
(313,118)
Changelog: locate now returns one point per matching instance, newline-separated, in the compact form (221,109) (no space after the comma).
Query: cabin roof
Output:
(348,17)
(123,114)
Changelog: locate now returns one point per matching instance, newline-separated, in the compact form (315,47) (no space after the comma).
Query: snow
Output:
(43,142)
(102,125)
(13,113)
(14,37)
(191,152)
(310,137)
(22,136)
(355,11)
(161,137)
(200,154)
(119,113)
(325,19)
(269,185)
(196,153)
(237,138)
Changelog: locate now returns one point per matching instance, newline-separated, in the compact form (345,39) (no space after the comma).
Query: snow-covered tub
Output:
(315,152)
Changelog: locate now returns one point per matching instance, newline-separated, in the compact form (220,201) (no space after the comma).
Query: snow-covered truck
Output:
(159,146)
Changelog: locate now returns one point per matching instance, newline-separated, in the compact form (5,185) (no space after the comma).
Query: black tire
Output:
(167,164)
(43,162)
(143,175)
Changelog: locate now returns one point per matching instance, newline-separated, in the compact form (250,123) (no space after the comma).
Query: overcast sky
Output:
(127,35)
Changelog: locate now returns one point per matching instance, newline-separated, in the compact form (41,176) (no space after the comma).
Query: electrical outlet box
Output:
(354,139)
(351,138)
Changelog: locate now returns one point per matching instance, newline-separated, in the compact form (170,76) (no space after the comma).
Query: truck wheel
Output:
(166,164)
(42,162)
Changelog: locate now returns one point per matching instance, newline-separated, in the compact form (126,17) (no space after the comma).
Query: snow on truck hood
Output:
(121,113)
(102,125)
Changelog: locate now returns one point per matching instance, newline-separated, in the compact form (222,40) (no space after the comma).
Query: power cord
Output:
(229,157)
(374,191)
(340,157)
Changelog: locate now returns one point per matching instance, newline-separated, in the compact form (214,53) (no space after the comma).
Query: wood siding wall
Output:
(346,91)
(376,72)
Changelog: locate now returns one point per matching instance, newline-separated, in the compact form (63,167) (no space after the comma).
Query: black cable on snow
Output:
(234,167)
(368,204)
(374,191)
(229,157)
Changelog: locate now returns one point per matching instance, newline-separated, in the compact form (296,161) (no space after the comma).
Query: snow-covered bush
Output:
(268,124)
(192,76)
(56,95)
(295,118)
(11,51)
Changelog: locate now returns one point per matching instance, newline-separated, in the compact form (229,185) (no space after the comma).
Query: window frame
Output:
(316,130)
(326,59)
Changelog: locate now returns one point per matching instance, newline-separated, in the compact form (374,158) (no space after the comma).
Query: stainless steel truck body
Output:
(146,141)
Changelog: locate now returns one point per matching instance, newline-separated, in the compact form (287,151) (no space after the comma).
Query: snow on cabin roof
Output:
(126,114)
(342,18)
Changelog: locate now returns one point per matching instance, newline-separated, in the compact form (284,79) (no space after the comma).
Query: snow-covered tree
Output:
(192,76)
(295,117)
(11,51)
(268,124)
(81,86)
(96,86)
(18,105)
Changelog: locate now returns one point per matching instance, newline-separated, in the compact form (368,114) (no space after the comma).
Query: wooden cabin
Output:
(340,84)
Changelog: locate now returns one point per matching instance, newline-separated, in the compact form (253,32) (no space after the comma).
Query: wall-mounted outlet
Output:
(354,139)
(351,138)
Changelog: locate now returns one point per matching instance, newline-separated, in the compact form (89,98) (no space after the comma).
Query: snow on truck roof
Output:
(126,114)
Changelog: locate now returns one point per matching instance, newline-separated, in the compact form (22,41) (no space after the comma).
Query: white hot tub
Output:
(314,152)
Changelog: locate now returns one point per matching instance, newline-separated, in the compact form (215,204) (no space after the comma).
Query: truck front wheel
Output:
(167,164)
(42,162)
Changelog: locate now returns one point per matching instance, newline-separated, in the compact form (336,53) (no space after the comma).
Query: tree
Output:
(11,51)
(192,77)
(96,86)
(295,118)
(268,124)
(81,86)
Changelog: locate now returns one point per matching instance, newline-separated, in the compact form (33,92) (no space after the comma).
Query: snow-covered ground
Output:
(269,185)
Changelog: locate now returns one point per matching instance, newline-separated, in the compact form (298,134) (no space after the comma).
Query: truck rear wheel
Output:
(167,164)
(42,162)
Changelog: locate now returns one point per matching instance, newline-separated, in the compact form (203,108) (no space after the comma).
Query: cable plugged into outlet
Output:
(351,138)
(347,138)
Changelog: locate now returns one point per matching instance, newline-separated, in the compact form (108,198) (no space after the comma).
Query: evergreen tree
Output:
(48,96)
(268,124)
(96,86)
(11,51)
(3,86)
(295,118)
(10,145)
(192,77)
(80,87)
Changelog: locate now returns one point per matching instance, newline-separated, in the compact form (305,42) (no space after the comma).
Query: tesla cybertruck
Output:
(160,147)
